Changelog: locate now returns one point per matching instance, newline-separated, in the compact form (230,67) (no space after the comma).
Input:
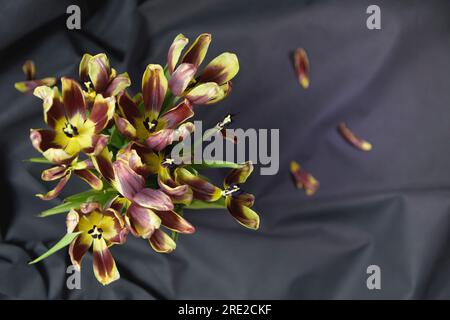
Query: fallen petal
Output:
(303,179)
(301,62)
(353,139)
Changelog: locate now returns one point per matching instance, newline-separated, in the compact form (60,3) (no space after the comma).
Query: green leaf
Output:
(91,195)
(76,200)
(66,240)
(37,160)
(116,140)
(215,164)
(199,204)
(63,207)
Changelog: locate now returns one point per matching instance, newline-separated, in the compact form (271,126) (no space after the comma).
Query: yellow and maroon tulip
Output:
(29,69)
(71,130)
(214,82)
(99,229)
(97,71)
(63,172)
(149,125)
(146,209)
(238,202)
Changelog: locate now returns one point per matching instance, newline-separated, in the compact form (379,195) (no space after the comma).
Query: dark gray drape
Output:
(389,207)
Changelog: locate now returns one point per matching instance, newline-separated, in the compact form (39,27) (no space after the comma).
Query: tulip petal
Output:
(181,78)
(90,178)
(99,71)
(52,194)
(178,193)
(245,199)
(175,49)
(102,112)
(103,163)
(78,248)
(54,173)
(161,242)
(141,221)
(221,69)
(226,90)
(29,69)
(113,225)
(117,85)
(128,106)
(105,269)
(353,139)
(177,115)
(203,190)
(30,85)
(73,98)
(125,127)
(42,141)
(52,103)
(99,142)
(154,87)
(244,215)
(160,139)
(173,221)
(301,63)
(72,220)
(83,68)
(240,175)
(197,51)
(128,182)
(303,179)
(205,93)
(153,199)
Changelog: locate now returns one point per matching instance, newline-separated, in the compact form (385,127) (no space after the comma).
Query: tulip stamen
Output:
(168,161)
(150,125)
(95,232)
(70,130)
(227,120)
(230,190)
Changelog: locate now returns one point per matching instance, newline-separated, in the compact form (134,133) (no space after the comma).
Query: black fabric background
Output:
(389,207)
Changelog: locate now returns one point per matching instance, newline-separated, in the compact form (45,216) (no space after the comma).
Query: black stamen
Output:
(150,125)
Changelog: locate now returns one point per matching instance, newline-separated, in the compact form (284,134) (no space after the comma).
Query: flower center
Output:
(70,130)
(230,190)
(150,125)
(96,232)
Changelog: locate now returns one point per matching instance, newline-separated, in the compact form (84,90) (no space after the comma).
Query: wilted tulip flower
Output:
(146,209)
(238,202)
(149,124)
(71,129)
(212,84)
(29,69)
(100,229)
(97,71)
(63,172)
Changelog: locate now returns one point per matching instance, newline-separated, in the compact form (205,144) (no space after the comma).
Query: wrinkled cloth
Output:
(389,207)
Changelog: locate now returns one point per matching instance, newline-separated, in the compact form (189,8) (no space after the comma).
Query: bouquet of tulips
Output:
(120,145)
